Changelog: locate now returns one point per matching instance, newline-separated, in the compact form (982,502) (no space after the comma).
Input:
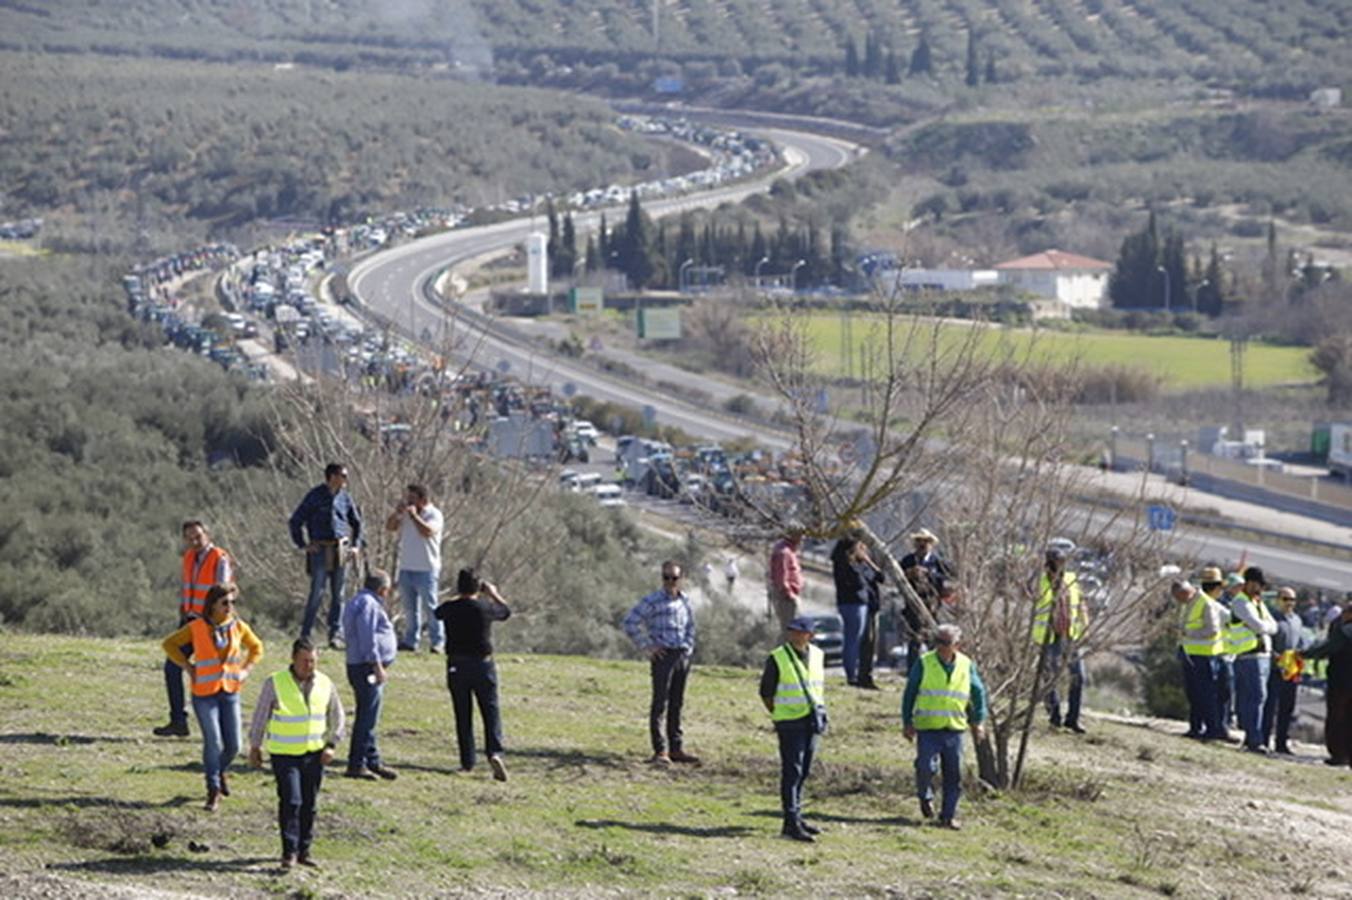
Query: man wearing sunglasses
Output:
(327,527)
(662,625)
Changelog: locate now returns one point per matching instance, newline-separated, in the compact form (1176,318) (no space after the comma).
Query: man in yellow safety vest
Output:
(1199,653)
(300,720)
(1059,622)
(792,688)
(944,694)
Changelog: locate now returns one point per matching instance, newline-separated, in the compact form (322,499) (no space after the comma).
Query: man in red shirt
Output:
(784,586)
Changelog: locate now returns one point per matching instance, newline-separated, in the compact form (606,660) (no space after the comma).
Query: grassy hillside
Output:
(1185,363)
(1241,40)
(1123,812)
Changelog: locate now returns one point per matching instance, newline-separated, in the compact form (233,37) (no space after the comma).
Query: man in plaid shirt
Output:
(662,625)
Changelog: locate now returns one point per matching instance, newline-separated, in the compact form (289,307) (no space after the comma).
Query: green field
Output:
(1185,363)
(84,788)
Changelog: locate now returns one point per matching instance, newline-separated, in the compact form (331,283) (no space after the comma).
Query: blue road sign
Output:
(1160,518)
(504,366)
(650,414)
(569,389)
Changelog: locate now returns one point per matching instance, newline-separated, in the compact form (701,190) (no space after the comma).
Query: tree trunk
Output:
(1027,726)
(894,572)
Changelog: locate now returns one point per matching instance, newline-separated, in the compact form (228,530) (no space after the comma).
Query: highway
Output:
(392,283)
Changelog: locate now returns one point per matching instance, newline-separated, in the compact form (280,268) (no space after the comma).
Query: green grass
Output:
(83,788)
(1185,363)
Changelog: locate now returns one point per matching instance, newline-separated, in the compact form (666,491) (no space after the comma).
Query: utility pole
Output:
(657,26)
(1238,342)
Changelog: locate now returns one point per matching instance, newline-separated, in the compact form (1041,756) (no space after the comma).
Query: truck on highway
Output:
(1340,449)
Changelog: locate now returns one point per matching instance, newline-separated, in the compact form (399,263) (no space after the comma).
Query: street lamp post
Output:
(1197,289)
(760,262)
(1167,287)
(680,275)
(793,275)
(1150,453)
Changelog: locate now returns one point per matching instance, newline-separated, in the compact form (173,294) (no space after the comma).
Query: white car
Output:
(609,495)
(586,431)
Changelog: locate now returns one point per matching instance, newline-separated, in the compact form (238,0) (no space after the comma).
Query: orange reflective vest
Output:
(198,579)
(215,669)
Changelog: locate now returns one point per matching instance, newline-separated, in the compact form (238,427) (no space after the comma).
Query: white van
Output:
(587,481)
(609,495)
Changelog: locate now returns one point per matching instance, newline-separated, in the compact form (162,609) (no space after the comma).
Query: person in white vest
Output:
(300,720)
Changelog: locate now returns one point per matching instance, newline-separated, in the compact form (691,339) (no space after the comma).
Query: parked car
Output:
(828,633)
(610,495)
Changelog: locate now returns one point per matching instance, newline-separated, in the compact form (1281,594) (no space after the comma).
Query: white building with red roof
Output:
(1077,281)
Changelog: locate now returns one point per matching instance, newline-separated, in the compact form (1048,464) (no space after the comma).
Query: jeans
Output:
(218,717)
(1225,691)
(944,745)
(1200,677)
(1278,709)
(1251,677)
(1075,668)
(419,592)
(798,744)
(854,616)
(317,579)
(669,674)
(173,684)
(471,678)
(786,610)
(298,782)
(363,752)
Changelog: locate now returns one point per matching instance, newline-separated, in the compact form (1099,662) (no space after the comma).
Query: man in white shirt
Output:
(420,525)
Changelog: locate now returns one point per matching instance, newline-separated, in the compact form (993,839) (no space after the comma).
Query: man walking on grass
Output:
(662,625)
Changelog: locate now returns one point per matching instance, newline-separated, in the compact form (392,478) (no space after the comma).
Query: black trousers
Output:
(798,743)
(1338,723)
(470,679)
(298,782)
(670,670)
(868,646)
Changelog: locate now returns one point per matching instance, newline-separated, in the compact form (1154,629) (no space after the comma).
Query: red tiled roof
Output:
(1055,259)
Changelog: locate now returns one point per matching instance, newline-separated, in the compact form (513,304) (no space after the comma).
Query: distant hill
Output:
(1253,44)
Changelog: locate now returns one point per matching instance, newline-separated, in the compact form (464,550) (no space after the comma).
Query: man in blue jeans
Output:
(944,694)
(327,526)
(370,653)
(1250,639)
(419,525)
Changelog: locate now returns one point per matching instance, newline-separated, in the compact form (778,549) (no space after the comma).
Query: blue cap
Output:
(801,623)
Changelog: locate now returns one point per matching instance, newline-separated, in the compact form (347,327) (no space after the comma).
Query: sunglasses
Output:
(671,578)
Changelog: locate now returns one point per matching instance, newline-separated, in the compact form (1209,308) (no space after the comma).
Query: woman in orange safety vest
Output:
(224,649)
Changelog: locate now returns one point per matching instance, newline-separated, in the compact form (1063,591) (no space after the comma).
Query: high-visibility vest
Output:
(297,726)
(1240,638)
(1046,605)
(941,704)
(1212,646)
(791,702)
(198,579)
(215,669)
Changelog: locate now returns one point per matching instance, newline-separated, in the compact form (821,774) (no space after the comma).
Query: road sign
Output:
(823,402)
(650,414)
(504,366)
(569,389)
(1160,518)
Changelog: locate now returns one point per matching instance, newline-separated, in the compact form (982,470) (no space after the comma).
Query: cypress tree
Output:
(873,56)
(851,58)
(991,77)
(921,61)
(973,68)
(891,69)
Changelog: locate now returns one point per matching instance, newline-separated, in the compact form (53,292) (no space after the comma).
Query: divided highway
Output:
(393,284)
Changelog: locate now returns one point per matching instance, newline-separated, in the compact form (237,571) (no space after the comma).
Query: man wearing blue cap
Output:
(792,689)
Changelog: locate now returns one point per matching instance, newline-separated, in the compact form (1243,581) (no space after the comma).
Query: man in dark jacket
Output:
(930,575)
(858,582)
(327,527)
(1337,649)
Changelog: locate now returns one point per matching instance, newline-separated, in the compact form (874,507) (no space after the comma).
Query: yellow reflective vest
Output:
(1239,638)
(297,727)
(791,702)
(1195,622)
(1046,605)
(941,703)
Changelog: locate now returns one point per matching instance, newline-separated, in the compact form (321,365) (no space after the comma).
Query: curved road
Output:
(393,284)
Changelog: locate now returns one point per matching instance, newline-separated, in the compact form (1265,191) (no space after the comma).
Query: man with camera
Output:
(792,687)
(419,524)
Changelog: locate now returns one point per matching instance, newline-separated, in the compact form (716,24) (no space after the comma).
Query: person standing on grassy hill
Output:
(419,524)
(784,584)
(327,526)
(1281,696)
(857,579)
(204,565)
(1059,622)
(1250,639)
(223,650)
(1199,652)
(662,625)
(1337,649)
(929,576)
(944,695)
(1225,678)
(370,653)
(300,720)
(792,687)
(471,673)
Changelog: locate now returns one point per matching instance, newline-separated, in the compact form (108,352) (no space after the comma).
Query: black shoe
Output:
(794,833)
(1055,723)
(1335,762)
(225,784)
(810,829)
(869,685)
(363,774)
(384,772)
(1077,728)
(405,648)
(1193,735)
(1262,751)
(1284,750)
(308,861)
(926,808)
(173,729)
